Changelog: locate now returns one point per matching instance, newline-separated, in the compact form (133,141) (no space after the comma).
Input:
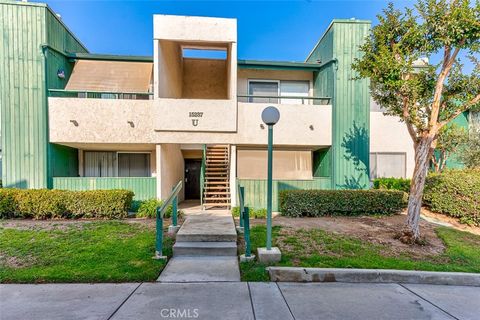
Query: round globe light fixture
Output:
(270,115)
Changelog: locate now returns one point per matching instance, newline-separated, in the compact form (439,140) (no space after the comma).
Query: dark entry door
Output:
(192,178)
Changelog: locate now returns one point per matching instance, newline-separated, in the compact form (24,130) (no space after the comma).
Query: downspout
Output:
(334,119)
(49,179)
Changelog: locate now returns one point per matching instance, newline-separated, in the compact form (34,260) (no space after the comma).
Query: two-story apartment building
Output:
(71,119)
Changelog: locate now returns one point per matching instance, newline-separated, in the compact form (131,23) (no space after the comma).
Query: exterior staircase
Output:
(216,184)
(205,250)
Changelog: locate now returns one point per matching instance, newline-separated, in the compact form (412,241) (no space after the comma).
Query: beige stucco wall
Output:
(170,161)
(388,134)
(168,67)
(188,28)
(205,79)
(105,121)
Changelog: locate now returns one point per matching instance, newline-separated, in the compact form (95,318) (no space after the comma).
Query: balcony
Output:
(303,100)
(60,93)
(130,118)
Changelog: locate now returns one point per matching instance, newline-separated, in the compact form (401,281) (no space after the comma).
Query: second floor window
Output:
(278,91)
(266,90)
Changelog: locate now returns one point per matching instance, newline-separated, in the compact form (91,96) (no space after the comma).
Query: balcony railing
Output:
(284,99)
(60,93)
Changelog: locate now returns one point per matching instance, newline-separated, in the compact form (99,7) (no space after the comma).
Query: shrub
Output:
(7,203)
(46,204)
(392,184)
(253,213)
(148,209)
(314,203)
(455,193)
(111,204)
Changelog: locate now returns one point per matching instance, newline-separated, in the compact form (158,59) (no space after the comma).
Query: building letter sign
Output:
(195,116)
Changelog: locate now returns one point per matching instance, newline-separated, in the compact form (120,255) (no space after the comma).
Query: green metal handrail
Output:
(275,99)
(244,220)
(202,174)
(61,93)
(172,198)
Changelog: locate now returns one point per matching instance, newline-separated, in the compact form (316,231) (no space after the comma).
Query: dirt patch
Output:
(47,225)
(63,225)
(379,230)
(441,219)
(15,262)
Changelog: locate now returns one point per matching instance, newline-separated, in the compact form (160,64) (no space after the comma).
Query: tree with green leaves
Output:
(469,154)
(451,139)
(399,59)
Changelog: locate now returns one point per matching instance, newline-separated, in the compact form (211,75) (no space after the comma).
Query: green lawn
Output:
(318,248)
(104,251)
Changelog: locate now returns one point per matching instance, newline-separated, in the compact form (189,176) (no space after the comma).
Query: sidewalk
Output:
(238,300)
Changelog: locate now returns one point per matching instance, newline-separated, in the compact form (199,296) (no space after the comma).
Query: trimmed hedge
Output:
(253,213)
(455,193)
(392,184)
(53,204)
(315,203)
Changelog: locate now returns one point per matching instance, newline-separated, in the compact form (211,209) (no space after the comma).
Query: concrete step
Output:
(201,269)
(204,249)
(207,228)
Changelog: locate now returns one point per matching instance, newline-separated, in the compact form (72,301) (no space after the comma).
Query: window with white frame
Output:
(387,165)
(268,91)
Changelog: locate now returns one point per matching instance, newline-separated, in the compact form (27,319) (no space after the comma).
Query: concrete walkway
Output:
(238,300)
(205,249)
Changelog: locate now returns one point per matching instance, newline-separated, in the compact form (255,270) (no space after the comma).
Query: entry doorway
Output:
(192,179)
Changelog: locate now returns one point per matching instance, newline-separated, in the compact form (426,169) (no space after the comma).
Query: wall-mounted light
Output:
(75,123)
(131,124)
(311,127)
(262,126)
(61,73)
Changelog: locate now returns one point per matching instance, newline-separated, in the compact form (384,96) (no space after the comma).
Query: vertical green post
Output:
(159,235)
(174,210)
(269,187)
(246,234)
(242,205)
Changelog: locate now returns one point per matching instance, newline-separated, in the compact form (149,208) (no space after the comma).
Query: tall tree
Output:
(451,139)
(469,154)
(398,58)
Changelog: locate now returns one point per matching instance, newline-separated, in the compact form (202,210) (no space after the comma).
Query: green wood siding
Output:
(64,161)
(322,164)
(24,28)
(144,188)
(461,121)
(350,118)
(256,190)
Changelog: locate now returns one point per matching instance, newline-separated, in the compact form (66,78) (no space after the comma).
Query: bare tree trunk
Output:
(423,154)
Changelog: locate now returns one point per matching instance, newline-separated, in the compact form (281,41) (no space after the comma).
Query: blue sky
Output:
(268,30)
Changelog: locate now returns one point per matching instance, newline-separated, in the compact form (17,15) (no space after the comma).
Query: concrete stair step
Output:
(201,269)
(208,228)
(204,249)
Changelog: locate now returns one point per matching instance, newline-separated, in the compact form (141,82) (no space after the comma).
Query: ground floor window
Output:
(387,165)
(116,164)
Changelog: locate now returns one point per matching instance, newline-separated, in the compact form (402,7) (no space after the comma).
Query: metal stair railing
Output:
(202,174)
(172,199)
(244,220)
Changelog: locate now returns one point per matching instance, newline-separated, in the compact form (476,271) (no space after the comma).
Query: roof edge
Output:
(330,26)
(109,57)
